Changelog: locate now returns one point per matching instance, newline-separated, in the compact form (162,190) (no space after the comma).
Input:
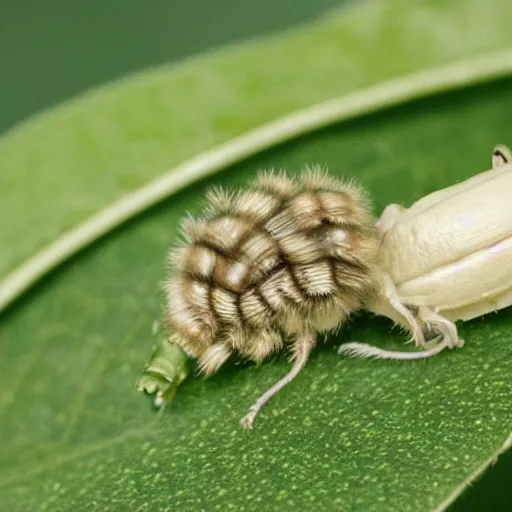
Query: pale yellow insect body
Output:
(446,258)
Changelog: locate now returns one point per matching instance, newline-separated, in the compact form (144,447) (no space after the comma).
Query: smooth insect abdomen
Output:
(449,225)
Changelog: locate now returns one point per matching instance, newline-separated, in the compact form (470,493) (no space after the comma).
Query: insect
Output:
(270,266)
(445,258)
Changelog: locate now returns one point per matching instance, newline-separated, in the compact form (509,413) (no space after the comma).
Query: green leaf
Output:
(346,434)
(68,163)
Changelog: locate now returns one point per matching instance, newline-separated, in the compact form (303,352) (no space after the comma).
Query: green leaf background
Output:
(347,435)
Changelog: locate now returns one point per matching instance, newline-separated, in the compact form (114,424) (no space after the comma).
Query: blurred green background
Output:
(51,51)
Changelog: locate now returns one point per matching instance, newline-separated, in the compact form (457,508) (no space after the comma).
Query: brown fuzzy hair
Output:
(266,263)
(272,264)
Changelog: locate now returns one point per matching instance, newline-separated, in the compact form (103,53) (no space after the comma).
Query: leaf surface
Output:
(346,434)
(66,164)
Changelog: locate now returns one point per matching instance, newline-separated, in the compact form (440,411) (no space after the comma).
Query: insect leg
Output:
(396,303)
(447,328)
(302,349)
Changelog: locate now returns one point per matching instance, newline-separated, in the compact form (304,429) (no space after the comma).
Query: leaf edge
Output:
(405,89)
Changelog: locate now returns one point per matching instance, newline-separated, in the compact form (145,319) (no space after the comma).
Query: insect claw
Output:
(458,344)
(248,420)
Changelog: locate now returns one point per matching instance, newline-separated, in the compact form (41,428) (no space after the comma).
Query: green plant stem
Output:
(387,94)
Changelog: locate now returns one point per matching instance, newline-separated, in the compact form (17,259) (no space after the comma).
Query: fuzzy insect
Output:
(273,265)
(445,258)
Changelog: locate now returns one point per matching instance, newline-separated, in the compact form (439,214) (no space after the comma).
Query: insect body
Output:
(446,258)
(270,266)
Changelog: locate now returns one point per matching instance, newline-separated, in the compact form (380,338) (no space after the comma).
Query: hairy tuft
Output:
(265,264)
